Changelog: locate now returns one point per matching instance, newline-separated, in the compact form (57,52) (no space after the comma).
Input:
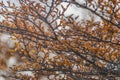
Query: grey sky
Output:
(82,13)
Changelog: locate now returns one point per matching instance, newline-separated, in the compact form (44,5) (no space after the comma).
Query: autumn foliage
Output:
(60,47)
